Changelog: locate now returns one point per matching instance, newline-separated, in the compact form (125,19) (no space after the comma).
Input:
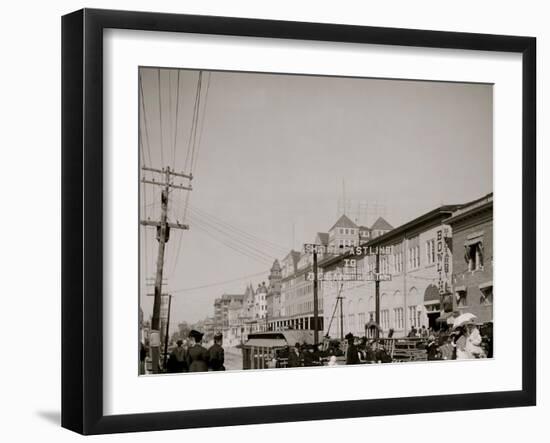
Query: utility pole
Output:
(315,300)
(167,332)
(377,293)
(163,234)
(341,318)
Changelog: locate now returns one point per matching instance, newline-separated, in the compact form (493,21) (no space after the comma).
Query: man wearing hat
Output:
(197,355)
(216,354)
(295,357)
(352,354)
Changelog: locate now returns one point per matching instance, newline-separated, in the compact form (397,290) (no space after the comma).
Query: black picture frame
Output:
(82,220)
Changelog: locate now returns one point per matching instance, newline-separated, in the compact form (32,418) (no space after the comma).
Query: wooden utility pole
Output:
(377,293)
(163,234)
(315,300)
(341,318)
(166,335)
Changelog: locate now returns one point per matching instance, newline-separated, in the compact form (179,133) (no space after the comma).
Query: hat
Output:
(179,342)
(349,336)
(196,335)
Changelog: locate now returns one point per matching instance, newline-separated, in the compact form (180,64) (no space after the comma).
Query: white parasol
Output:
(463,319)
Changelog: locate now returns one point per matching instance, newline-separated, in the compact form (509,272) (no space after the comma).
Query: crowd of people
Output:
(191,356)
(468,341)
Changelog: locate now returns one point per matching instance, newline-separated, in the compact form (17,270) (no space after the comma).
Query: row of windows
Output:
(346,243)
(305,307)
(485,297)
(347,231)
(394,263)
(386,320)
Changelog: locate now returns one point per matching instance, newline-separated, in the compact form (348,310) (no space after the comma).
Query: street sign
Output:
(312,248)
(342,276)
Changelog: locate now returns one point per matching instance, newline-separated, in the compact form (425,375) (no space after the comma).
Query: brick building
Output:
(472,280)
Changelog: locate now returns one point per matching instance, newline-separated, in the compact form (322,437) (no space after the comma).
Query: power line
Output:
(232,246)
(190,147)
(202,121)
(146,125)
(177,112)
(160,120)
(240,240)
(236,229)
(245,277)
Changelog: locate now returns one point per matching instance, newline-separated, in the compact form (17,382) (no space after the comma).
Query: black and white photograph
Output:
(290,221)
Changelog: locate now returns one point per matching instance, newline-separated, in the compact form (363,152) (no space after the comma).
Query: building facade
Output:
(472,280)
(415,264)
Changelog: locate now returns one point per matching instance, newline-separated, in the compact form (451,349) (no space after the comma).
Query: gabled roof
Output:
(344,222)
(382,225)
(295,256)
(323,237)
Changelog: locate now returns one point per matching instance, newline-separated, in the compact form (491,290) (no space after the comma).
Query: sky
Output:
(273,154)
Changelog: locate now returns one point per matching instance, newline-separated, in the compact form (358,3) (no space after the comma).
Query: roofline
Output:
(471,208)
(442,213)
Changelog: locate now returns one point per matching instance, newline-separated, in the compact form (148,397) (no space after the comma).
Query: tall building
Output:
(221,310)
(273,301)
(472,281)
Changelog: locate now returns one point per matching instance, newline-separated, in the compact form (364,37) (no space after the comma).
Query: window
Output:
(461,296)
(398,318)
(474,255)
(486,294)
(413,317)
(430,251)
(414,253)
(398,258)
(385,318)
(361,320)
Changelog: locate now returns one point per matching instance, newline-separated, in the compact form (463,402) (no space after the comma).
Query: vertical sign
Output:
(443,260)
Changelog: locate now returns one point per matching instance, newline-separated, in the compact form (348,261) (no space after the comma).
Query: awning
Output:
(473,241)
(488,284)
(266,342)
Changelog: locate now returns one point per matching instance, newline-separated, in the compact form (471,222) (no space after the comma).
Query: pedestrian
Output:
(179,355)
(197,355)
(142,357)
(216,354)
(352,354)
(424,332)
(432,349)
(295,357)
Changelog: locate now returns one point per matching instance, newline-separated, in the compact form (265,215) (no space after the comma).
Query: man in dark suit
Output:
(352,354)
(295,357)
(216,354)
